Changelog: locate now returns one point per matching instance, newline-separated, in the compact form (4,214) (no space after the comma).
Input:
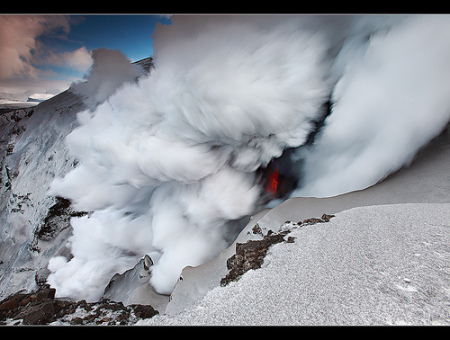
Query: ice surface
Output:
(375,265)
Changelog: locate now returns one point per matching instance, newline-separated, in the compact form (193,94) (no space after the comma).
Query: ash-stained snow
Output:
(376,265)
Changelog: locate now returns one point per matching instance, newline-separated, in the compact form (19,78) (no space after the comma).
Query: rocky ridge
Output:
(41,308)
(250,255)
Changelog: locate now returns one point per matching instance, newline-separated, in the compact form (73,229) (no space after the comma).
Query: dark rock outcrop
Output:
(250,255)
(41,308)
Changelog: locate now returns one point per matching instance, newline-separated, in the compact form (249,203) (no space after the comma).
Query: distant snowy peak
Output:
(39,97)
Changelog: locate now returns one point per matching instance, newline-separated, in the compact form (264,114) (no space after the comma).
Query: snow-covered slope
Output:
(32,154)
(375,265)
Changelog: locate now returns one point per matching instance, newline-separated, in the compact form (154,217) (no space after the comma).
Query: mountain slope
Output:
(32,154)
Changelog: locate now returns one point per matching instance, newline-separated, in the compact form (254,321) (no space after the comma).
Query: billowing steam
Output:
(392,98)
(168,163)
(110,70)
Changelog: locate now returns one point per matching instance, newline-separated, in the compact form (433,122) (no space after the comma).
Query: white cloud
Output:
(110,70)
(79,59)
(18,44)
(21,51)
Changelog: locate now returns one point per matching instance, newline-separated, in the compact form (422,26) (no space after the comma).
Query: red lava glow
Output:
(272,185)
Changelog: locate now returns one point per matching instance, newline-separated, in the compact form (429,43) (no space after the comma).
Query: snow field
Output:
(375,265)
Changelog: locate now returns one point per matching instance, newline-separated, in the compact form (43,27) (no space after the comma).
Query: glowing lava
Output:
(272,185)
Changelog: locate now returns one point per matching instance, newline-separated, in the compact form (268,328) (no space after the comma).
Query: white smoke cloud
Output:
(80,59)
(391,100)
(110,70)
(166,162)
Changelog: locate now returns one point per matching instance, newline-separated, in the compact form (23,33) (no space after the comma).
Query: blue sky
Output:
(130,34)
(45,53)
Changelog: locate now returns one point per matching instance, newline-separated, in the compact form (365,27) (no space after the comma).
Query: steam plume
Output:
(391,99)
(165,163)
(168,164)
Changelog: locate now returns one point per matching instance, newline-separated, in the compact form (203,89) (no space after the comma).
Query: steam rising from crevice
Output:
(168,164)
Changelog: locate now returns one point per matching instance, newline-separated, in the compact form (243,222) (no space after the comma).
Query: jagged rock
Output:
(310,221)
(144,311)
(41,308)
(250,255)
(10,303)
(57,219)
(34,308)
(37,313)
